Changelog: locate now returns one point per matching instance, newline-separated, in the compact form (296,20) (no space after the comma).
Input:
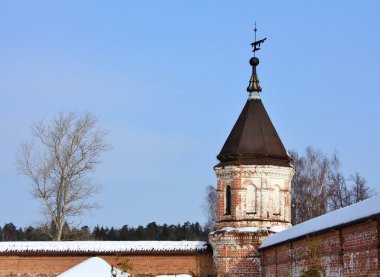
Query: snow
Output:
(177,275)
(335,218)
(273,229)
(101,246)
(94,267)
(241,230)
(276,229)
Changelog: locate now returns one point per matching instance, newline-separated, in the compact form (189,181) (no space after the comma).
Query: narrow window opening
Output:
(228,200)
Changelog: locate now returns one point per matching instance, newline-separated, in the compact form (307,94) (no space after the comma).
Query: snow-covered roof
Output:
(355,212)
(101,246)
(94,267)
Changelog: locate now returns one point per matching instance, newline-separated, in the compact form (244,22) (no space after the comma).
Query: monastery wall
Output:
(351,250)
(197,264)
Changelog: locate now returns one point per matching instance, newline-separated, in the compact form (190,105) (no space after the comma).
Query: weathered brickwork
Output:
(351,250)
(236,254)
(142,265)
(260,198)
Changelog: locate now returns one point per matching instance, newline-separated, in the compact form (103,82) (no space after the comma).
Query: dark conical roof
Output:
(253,140)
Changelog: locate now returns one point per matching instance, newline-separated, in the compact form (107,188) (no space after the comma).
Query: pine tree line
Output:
(152,231)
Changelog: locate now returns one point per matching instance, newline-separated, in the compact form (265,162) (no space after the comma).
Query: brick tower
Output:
(254,176)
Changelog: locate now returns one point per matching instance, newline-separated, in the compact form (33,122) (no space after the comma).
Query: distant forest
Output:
(152,231)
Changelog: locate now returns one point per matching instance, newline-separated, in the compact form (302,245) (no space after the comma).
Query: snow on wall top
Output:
(177,275)
(335,218)
(101,246)
(273,229)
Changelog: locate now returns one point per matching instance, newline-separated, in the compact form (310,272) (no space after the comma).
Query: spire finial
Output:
(257,43)
(254,84)
(255,30)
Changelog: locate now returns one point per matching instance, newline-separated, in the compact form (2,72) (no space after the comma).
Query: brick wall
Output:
(146,265)
(236,254)
(260,196)
(347,251)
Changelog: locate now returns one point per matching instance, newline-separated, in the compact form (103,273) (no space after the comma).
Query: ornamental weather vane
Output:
(254,87)
(257,44)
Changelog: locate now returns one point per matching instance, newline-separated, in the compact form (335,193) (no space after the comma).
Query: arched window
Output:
(251,199)
(227,201)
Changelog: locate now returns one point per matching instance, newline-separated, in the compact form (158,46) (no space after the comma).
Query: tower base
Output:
(235,250)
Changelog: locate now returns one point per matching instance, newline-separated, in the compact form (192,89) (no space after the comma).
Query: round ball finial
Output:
(254,61)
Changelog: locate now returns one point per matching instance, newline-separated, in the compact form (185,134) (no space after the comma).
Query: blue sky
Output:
(168,80)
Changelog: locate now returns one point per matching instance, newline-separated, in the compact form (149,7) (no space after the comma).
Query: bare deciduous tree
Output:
(319,186)
(339,194)
(210,207)
(309,185)
(58,161)
(360,189)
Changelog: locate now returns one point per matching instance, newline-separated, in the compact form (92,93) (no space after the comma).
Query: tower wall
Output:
(260,196)
(235,252)
(259,206)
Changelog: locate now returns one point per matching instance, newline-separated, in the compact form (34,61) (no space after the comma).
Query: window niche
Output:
(251,199)
(277,200)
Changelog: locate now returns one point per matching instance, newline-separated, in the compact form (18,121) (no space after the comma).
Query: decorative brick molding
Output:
(251,171)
